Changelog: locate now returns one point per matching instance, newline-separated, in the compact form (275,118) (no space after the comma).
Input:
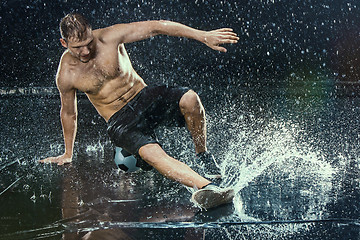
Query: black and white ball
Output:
(125,161)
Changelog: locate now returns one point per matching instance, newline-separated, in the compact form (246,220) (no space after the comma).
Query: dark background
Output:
(277,39)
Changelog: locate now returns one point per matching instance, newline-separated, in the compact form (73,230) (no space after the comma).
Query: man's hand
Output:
(215,38)
(59,160)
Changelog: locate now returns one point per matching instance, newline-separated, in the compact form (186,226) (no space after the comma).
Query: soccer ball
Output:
(125,161)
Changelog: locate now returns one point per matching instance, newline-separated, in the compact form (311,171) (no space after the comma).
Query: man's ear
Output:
(63,43)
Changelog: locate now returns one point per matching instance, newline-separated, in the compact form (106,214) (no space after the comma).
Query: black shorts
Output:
(134,125)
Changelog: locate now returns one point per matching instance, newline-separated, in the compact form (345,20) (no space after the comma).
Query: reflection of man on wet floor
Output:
(97,64)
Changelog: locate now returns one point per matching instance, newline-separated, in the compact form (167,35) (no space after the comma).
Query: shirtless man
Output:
(97,64)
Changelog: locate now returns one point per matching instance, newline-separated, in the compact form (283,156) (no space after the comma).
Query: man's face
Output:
(81,49)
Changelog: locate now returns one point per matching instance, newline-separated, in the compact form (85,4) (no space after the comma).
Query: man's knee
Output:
(190,102)
(151,153)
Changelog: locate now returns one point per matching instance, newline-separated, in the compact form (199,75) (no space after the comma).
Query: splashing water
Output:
(276,177)
(276,146)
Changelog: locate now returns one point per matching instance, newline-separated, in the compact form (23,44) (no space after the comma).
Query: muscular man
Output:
(97,64)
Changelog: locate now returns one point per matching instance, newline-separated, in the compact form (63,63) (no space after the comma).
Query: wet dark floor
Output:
(293,159)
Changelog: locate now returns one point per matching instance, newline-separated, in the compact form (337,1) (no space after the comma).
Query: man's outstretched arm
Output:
(68,116)
(136,31)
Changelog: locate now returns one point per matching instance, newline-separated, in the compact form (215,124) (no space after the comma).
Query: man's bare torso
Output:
(108,79)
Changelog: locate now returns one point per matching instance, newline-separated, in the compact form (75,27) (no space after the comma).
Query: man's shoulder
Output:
(112,34)
(67,69)
(65,60)
(68,62)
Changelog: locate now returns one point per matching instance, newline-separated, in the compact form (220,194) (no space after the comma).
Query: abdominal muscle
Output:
(113,97)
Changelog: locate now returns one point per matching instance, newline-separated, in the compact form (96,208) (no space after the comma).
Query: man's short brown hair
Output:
(74,25)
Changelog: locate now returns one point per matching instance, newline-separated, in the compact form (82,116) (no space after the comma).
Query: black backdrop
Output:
(278,38)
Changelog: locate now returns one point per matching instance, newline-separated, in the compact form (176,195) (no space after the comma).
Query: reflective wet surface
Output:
(293,160)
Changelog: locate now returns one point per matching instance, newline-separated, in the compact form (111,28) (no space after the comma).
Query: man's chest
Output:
(97,73)
(106,66)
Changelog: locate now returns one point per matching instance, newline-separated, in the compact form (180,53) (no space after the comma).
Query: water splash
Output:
(279,177)
(276,147)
